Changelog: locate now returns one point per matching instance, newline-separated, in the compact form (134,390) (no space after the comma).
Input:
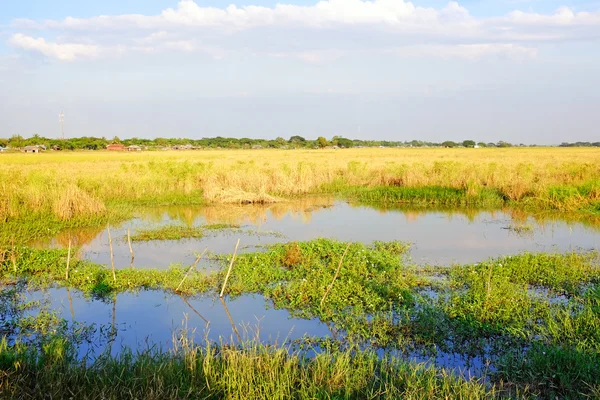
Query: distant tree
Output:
(297,139)
(16,141)
(468,143)
(116,140)
(322,142)
(449,143)
(502,143)
(3,142)
(481,144)
(345,143)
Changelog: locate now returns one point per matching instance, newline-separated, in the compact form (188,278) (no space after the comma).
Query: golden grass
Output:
(72,184)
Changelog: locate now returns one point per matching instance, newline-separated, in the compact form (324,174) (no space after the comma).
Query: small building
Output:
(134,148)
(32,149)
(115,147)
(2,149)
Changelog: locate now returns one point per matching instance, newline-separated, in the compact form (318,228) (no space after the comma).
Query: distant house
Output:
(134,148)
(2,149)
(115,147)
(32,149)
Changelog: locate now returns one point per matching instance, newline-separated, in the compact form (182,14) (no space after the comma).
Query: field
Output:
(518,325)
(91,187)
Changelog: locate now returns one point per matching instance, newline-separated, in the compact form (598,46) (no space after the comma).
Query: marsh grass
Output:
(222,371)
(69,186)
(169,232)
(485,310)
(179,232)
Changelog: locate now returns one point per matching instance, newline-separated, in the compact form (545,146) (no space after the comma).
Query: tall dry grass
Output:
(78,184)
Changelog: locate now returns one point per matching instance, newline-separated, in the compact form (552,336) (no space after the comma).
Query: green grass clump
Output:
(217,227)
(177,232)
(220,371)
(553,372)
(425,196)
(47,267)
(560,272)
(169,232)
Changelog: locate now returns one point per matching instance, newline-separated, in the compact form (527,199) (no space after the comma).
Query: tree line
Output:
(98,143)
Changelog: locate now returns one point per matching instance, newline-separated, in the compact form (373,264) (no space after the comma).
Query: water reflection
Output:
(136,320)
(437,236)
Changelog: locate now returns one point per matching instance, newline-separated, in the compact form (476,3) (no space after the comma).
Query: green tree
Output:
(16,141)
(449,143)
(468,143)
(297,139)
(322,142)
(346,143)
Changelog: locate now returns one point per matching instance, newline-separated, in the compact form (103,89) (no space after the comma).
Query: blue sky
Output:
(516,70)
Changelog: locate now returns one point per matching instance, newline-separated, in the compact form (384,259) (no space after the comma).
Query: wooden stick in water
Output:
(68,260)
(130,248)
(194,310)
(112,256)
(337,272)
(235,329)
(229,270)
(191,268)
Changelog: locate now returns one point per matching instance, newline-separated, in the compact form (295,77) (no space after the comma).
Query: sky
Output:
(523,71)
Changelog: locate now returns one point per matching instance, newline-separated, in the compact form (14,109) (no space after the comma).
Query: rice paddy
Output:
(517,316)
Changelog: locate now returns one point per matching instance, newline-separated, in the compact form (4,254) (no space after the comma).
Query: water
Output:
(440,238)
(152,318)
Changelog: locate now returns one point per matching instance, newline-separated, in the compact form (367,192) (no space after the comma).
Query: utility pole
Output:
(61,121)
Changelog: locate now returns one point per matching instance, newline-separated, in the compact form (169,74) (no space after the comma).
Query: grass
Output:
(88,186)
(169,232)
(504,310)
(219,371)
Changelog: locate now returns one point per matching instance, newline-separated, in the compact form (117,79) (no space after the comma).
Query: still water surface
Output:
(436,237)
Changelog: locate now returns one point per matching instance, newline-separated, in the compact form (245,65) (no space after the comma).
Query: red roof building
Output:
(115,147)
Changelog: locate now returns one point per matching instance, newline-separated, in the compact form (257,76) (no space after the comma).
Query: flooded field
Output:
(436,237)
(472,294)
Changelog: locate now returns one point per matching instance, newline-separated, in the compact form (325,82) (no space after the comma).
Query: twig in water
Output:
(112,256)
(130,248)
(337,272)
(68,260)
(229,270)
(190,270)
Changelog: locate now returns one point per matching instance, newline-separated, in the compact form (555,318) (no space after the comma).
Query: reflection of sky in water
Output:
(436,237)
(152,317)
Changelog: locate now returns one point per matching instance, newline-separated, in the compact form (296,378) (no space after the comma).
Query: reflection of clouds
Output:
(159,317)
(438,236)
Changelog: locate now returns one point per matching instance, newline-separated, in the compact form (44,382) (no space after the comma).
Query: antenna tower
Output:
(61,121)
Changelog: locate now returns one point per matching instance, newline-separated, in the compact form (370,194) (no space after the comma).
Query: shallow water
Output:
(437,237)
(153,318)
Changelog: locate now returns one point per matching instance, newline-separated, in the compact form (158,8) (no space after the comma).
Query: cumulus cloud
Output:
(63,52)
(314,34)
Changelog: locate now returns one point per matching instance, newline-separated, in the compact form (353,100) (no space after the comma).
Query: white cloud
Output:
(317,33)
(562,17)
(63,52)
(468,51)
